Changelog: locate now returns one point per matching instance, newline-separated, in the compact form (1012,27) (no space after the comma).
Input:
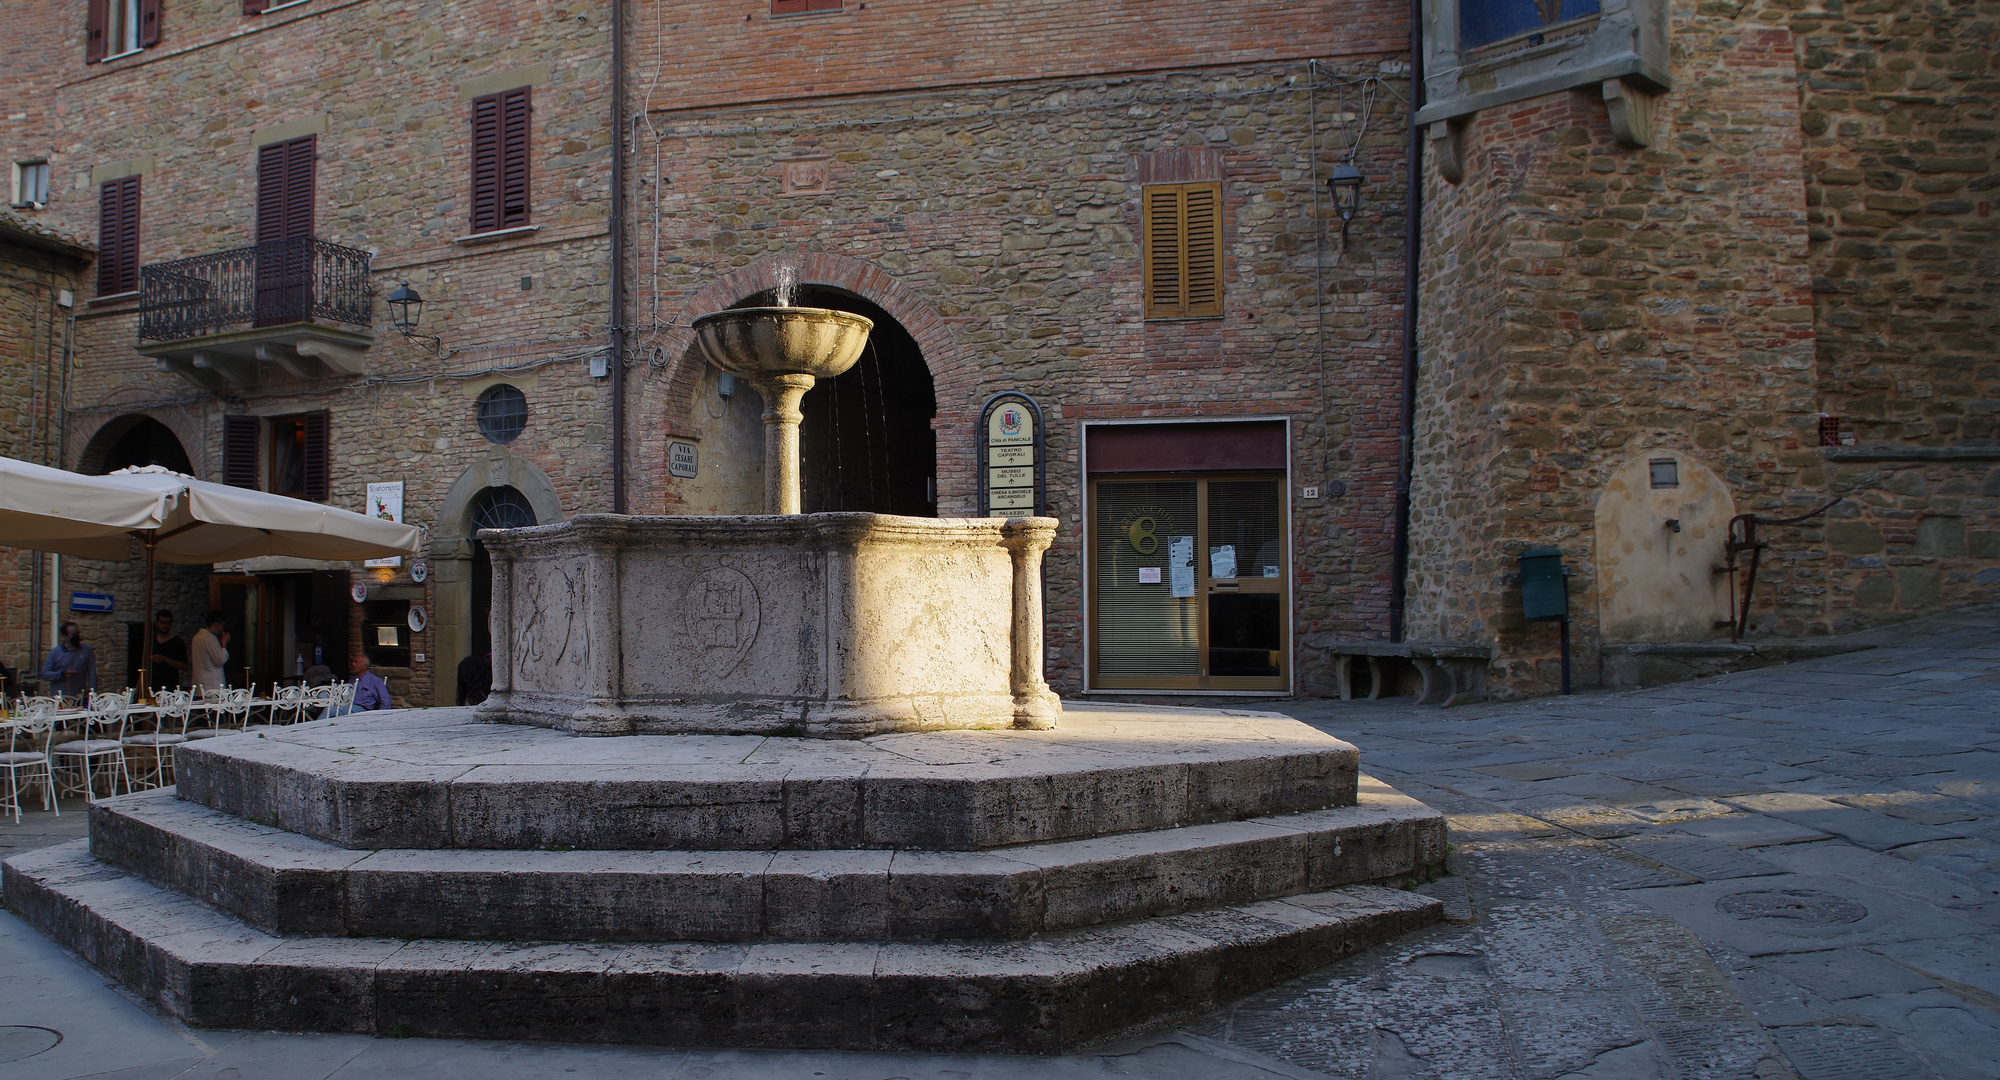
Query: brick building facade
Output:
(1783,212)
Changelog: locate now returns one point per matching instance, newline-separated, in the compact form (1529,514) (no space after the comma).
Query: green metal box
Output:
(1544,588)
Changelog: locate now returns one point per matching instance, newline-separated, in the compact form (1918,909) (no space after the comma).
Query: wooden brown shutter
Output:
(319,459)
(255,7)
(1163,250)
(149,23)
(1183,250)
(118,236)
(500,161)
(96,22)
(285,189)
(241,437)
(800,7)
(1201,251)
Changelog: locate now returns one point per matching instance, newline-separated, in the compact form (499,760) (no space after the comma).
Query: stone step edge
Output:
(285,883)
(367,802)
(1051,994)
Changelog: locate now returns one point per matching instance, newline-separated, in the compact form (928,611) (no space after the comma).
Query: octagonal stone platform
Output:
(422,873)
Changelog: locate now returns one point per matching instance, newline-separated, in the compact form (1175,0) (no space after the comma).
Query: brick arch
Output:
(92,451)
(669,395)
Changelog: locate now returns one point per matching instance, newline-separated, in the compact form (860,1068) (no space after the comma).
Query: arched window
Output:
(502,508)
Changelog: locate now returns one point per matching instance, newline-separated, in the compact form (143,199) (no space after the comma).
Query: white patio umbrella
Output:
(179,519)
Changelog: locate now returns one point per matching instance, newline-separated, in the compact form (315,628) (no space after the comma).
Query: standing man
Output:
(170,654)
(71,669)
(208,652)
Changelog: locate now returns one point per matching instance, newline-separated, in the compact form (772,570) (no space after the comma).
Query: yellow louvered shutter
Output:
(1183,250)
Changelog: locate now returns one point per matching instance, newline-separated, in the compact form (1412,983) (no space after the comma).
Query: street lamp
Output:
(405,308)
(1345,183)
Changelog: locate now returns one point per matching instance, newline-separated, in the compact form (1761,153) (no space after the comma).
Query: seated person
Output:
(371,694)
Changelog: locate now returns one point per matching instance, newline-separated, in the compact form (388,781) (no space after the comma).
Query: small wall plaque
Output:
(1011,473)
(810,176)
(681,460)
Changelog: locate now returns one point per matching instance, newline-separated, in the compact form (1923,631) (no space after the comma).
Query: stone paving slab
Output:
(285,883)
(434,778)
(1049,994)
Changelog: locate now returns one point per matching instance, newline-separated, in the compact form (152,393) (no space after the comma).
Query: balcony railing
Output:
(285,281)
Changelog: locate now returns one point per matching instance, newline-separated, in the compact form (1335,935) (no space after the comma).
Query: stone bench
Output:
(1454,672)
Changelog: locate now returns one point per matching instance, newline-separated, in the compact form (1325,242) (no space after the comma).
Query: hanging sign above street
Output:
(1011,460)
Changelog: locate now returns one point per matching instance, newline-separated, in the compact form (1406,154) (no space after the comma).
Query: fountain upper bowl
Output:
(782,340)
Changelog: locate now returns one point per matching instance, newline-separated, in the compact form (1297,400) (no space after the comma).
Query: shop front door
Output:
(1189,583)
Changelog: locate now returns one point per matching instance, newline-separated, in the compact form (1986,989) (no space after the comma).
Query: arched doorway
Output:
(866,442)
(134,440)
(494,508)
(499,491)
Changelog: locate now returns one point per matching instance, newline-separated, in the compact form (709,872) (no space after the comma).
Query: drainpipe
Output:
(618,256)
(1413,234)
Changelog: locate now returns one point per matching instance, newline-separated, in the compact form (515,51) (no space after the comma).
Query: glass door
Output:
(1189,583)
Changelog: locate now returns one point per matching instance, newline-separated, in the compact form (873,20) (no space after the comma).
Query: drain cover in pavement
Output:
(17,1042)
(1798,905)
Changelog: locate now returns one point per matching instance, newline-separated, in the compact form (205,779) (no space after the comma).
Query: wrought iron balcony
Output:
(215,318)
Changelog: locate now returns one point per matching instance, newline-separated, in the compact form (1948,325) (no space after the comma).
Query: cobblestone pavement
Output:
(1785,873)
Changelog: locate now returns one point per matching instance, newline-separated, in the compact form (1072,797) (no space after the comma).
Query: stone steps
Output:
(285,883)
(436,778)
(1047,994)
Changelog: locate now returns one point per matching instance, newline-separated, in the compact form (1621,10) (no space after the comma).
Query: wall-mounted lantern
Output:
(1345,183)
(405,309)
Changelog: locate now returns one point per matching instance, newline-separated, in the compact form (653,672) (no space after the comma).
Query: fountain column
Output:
(782,394)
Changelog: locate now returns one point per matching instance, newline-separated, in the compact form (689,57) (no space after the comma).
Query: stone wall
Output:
(32,335)
(1902,129)
(1586,303)
(386,85)
(1000,226)
(1804,233)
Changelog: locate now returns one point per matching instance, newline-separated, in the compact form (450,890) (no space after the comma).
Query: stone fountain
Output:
(847,813)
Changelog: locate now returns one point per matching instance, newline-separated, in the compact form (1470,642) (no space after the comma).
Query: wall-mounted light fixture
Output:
(406,310)
(1345,183)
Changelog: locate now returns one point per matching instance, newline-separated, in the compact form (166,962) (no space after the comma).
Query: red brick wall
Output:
(728,54)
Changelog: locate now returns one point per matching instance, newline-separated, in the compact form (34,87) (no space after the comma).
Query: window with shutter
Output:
(118,236)
(319,455)
(97,22)
(285,189)
(500,164)
(1183,250)
(800,7)
(255,7)
(241,438)
(285,212)
(149,23)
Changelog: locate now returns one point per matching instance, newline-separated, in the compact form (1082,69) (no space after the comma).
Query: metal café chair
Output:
(282,708)
(170,713)
(206,718)
(26,757)
(105,719)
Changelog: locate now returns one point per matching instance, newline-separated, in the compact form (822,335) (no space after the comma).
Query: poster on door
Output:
(385,501)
